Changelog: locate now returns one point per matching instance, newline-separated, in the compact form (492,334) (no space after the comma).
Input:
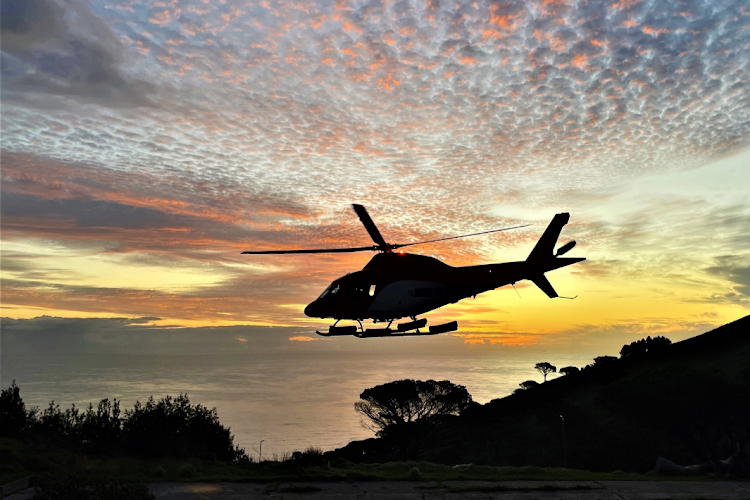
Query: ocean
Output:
(290,399)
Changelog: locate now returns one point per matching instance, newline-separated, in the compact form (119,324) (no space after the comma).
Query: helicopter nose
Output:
(312,310)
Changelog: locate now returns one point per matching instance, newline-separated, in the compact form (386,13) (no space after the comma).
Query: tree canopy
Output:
(545,369)
(404,401)
(528,384)
(605,361)
(641,347)
(569,370)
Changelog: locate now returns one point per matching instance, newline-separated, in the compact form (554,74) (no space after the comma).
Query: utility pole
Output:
(260,453)
(565,451)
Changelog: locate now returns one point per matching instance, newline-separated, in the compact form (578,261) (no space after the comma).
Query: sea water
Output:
(290,400)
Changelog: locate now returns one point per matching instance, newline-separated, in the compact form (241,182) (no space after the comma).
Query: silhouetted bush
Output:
(96,430)
(187,471)
(13,415)
(528,384)
(311,456)
(414,474)
(171,427)
(569,370)
(174,427)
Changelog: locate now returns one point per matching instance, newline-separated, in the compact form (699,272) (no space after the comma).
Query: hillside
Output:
(689,403)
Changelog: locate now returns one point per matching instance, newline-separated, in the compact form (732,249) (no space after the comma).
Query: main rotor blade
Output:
(456,237)
(315,250)
(371,228)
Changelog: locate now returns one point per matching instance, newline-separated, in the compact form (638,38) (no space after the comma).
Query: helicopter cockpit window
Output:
(331,289)
(325,292)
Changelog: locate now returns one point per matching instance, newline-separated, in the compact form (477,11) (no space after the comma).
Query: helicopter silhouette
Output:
(396,285)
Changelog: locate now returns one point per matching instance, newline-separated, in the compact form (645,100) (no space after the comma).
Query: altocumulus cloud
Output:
(270,117)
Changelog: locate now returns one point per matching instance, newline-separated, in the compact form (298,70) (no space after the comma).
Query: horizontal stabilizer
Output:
(542,282)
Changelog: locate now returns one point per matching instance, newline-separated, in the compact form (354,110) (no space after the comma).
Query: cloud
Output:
(54,336)
(62,48)
(736,270)
(443,118)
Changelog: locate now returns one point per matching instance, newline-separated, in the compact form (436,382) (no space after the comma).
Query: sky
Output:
(146,144)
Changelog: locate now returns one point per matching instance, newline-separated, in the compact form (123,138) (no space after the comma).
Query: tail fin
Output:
(544,249)
(543,258)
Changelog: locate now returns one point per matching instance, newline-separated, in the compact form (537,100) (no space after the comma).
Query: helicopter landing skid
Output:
(336,331)
(404,330)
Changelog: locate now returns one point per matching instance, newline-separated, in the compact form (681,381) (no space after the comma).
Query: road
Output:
(458,490)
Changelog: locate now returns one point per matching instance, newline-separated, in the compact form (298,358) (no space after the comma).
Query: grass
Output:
(22,459)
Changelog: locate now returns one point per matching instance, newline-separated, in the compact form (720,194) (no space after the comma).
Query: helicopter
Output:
(396,285)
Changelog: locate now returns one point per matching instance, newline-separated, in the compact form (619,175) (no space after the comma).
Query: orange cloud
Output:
(161,18)
(654,31)
(580,61)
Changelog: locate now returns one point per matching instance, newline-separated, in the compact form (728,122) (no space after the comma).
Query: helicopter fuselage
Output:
(398,285)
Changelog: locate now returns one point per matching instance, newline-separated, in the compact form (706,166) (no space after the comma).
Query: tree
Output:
(545,369)
(633,350)
(528,384)
(658,344)
(640,347)
(604,361)
(569,370)
(404,401)
(13,415)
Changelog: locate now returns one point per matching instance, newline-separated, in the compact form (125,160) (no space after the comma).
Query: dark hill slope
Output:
(690,404)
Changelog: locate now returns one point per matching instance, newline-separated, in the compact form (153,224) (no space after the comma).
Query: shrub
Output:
(187,471)
(528,384)
(159,471)
(174,427)
(13,414)
(414,475)
(171,427)
(569,370)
